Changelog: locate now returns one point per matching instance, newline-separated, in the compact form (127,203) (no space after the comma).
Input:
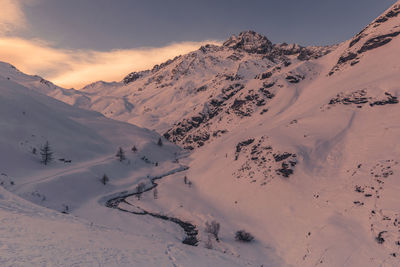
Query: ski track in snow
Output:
(72,169)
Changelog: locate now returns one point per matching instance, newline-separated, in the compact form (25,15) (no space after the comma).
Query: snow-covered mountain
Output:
(84,146)
(297,145)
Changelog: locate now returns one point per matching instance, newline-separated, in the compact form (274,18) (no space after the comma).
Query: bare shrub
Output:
(244,236)
(213,228)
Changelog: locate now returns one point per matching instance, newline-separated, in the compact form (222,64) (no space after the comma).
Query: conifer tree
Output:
(120,154)
(46,153)
(105,179)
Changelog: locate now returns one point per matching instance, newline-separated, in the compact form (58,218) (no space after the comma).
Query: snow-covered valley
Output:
(296,145)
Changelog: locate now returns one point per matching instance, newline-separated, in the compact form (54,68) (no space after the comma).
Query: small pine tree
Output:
(134,149)
(185,179)
(160,143)
(46,153)
(190,183)
(155,193)
(120,154)
(105,179)
(34,151)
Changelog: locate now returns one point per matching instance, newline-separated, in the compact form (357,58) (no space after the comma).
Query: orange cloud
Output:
(12,16)
(76,68)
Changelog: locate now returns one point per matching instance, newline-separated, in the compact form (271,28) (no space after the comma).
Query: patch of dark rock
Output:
(280,157)
(294,78)
(216,102)
(234,57)
(260,103)
(238,103)
(268,85)
(380,238)
(265,75)
(390,14)
(381,19)
(377,41)
(201,89)
(292,163)
(305,54)
(266,93)
(229,77)
(232,90)
(242,144)
(359,189)
(191,241)
(390,100)
(218,132)
(285,170)
(355,40)
(357,98)
(368,195)
(238,106)
(345,58)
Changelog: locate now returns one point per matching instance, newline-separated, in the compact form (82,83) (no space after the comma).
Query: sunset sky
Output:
(75,42)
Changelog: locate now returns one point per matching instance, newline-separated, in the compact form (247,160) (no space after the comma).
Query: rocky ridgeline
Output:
(246,42)
(255,43)
(373,36)
(262,163)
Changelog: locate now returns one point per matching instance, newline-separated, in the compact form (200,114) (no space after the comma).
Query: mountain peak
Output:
(250,41)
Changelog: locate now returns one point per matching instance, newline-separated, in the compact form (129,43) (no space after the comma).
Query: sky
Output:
(76,42)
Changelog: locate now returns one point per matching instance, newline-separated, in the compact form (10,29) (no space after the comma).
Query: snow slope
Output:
(35,236)
(84,145)
(296,145)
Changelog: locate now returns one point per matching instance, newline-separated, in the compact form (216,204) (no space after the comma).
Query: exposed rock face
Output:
(255,43)
(360,98)
(377,41)
(133,76)
(250,42)
(394,12)
(377,34)
(303,53)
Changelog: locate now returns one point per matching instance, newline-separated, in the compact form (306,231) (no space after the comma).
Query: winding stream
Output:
(189,229)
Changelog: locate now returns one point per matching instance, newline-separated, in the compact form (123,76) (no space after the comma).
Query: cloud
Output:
(12,16)
(76,68)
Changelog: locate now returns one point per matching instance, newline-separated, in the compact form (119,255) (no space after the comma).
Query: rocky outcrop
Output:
(250,41)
